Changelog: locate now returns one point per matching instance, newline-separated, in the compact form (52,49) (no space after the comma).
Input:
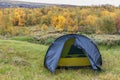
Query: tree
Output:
(84,13)
(59,22)
(44,27)
(91,20)
(117,24)
(19,18)
(107,13)
(108,25)
(1,17)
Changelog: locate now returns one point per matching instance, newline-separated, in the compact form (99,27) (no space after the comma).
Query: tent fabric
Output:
(54,52)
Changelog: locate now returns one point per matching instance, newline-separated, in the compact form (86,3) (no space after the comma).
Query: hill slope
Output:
(22,4)
(10,3)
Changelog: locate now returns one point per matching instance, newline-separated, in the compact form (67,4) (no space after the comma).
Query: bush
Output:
(107,40)
(108,25)
(47,39)
(117,24)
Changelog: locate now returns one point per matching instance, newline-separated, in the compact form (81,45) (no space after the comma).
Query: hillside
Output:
(22,4)
(10,3)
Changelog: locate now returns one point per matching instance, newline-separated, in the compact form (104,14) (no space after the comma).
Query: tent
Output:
(72,50)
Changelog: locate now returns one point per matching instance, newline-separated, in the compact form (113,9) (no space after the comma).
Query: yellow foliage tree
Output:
(59,22)
(113,15)
(75,28)
(44,27)
(91,20)
(70,22)
(117,11)
(66,14)
(107,13)
(83,13)
(72,28)
(19,17)
(1,17)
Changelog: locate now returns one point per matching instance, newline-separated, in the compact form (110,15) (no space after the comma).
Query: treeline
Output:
(98,20)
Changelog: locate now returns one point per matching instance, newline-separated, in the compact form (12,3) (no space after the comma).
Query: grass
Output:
(22,38)
(24,61)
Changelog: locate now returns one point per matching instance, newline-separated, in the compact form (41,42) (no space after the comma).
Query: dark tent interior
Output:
(73,56)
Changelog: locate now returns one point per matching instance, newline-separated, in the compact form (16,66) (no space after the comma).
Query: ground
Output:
(24,61)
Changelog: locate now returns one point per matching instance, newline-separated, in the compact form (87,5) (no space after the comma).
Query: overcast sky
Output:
(77,2)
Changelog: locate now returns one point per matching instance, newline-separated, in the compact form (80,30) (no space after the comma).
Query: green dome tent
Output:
(72,50)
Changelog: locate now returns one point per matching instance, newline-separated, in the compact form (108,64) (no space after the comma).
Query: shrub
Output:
(49,41)
(46,39)
(107,40)
(108,25)
(117,24)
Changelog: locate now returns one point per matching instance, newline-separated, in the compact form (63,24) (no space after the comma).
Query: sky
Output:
(77,2)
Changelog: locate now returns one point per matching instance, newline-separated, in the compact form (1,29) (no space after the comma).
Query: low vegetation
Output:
(109,40)
(24,61)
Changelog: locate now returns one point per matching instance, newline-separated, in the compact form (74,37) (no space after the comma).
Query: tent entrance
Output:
(73,56)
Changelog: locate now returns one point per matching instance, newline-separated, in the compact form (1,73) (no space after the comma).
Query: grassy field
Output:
(24,61)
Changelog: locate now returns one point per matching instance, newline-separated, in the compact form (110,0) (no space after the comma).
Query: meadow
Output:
(21,60)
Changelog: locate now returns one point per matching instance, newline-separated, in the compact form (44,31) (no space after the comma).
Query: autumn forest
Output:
(89,20)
